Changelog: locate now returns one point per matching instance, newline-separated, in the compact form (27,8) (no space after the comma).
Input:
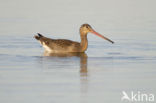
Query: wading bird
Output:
(64,45)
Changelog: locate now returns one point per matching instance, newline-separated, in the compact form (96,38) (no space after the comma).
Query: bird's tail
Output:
(38,36)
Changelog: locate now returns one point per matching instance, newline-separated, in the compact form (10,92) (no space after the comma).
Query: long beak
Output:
(94,32)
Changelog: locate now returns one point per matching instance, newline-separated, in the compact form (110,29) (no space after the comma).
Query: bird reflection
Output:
(83,59)
(83,67)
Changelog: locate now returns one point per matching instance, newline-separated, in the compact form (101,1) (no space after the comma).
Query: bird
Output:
(69,46)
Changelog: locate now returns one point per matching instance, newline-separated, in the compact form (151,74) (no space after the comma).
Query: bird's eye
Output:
(87,27)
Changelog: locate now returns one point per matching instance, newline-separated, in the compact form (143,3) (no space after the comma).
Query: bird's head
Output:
(86,28)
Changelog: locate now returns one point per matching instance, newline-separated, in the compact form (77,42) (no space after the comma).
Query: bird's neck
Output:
(84,42)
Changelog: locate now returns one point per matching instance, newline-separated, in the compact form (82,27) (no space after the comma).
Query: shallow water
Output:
(99,75)
(105,71)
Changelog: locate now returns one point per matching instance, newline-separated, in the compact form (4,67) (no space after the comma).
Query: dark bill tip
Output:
(96,33)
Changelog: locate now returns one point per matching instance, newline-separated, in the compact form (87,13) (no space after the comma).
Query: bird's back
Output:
(63,45)
(58,45)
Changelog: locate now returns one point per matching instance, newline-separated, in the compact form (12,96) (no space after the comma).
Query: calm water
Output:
(99,75)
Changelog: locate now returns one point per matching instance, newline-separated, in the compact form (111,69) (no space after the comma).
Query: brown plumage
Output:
(63,45)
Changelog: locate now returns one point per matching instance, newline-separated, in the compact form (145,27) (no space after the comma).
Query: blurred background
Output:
(115,18)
